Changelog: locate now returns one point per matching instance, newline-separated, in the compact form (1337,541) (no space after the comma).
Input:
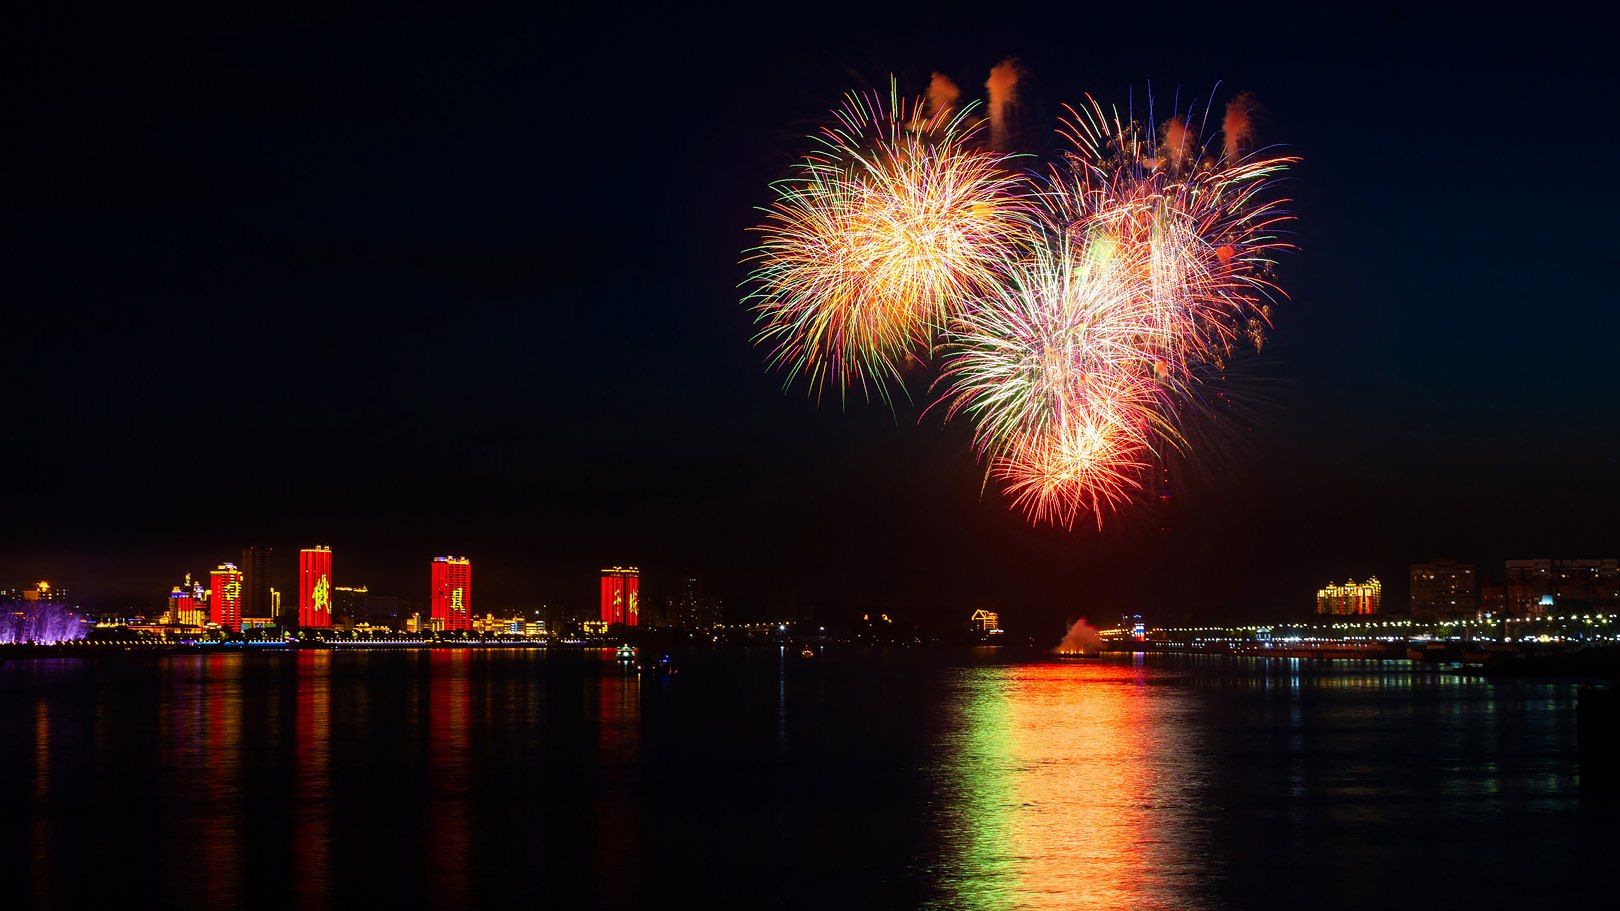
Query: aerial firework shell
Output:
(869,249)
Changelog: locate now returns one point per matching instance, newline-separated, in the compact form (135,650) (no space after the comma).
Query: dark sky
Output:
(459,278)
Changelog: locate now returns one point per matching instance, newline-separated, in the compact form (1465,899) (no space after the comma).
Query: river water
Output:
(857,779)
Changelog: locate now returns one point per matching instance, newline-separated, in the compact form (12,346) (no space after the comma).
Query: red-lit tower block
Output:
(452,593)
(621,595)
(225,596)
(315,586)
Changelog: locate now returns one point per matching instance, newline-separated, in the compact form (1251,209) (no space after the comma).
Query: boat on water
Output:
(663,667)
(808,652)
(626,654)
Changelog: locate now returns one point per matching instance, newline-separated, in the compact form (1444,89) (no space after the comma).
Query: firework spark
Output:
(867,252)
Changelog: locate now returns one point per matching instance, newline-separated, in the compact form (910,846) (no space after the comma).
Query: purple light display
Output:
(44,622)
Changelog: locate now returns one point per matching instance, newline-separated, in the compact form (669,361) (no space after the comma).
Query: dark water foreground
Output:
(863,779)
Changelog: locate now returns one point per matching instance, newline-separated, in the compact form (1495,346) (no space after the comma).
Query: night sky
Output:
(463,279)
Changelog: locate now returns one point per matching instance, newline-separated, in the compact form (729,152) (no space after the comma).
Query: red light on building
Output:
(315,586)
(621,595)
(225,596)
(452,593)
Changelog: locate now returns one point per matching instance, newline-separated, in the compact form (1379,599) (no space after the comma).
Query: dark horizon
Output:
(463,280)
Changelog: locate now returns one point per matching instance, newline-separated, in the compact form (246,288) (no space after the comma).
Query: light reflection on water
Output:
(1071,786)
(858,779)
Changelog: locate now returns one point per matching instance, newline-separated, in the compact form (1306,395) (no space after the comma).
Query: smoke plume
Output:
(1177,140)
(942,95)
(1003,88)
(1081,639)
(1239,124)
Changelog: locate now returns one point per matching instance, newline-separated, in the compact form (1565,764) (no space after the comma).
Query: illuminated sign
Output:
(315,586)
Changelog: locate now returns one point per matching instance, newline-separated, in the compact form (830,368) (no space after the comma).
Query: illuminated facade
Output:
(452,593)
(1351,598)
(1443,589)
(225,596)
(986,621)
(315,586)
(621,595)
(185,607)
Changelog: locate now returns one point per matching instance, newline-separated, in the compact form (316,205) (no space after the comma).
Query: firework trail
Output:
(868,250)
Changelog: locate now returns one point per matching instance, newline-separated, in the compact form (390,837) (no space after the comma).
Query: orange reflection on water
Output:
(40,856)
(1070,785)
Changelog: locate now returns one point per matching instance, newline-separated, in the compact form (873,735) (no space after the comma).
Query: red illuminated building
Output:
(452,593)
(621,595)
(225,596)
(315,586)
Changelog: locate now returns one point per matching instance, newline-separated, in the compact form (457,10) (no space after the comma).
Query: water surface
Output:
(899,779)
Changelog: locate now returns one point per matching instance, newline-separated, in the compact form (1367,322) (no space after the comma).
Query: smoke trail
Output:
(1003,88)
(1239,124)
(942,95)
(1081,639)
(1178,140)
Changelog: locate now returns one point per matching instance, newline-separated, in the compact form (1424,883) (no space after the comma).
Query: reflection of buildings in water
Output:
(312,788)
(1068,785)
(619,740)
(449,705)
(180,711)
(39,872)
(220,844)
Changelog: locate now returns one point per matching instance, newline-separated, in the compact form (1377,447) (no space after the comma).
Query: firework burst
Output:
(867,251)
(1076,318)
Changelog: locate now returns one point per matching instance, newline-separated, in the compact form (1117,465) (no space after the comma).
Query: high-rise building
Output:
(452,593)
(350,601)
(1351,598)
(621,595)
(1443,590)
(693,610)
(315,586)
(1528,581)
(256,582)
(225,596)
(1533,584)
(183,607)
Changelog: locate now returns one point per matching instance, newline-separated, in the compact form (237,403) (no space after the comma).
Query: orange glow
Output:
(1069,788)
(312,826)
